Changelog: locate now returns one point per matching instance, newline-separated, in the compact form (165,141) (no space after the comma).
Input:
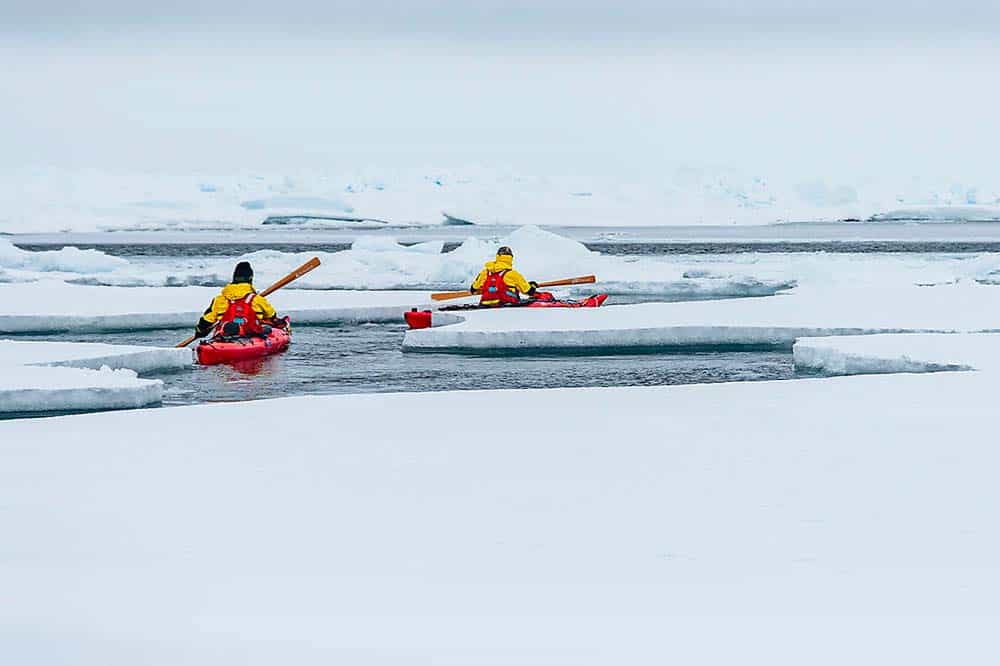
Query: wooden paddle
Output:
(585,279)
(291,277)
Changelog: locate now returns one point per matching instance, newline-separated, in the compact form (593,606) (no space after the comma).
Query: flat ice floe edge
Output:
(898,353)
(769,321)
(45,377)
(38,390)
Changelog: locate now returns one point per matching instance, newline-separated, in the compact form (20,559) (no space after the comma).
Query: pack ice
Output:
(381,263)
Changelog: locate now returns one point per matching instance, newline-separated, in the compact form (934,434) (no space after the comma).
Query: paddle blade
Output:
(291,277)
(446,295)
(583,279)
(185,343)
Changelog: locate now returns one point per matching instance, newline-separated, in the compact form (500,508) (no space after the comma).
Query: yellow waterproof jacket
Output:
(511,278)
(234,292)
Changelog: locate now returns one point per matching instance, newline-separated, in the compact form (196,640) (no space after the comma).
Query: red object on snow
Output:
(231,350)
(418,318)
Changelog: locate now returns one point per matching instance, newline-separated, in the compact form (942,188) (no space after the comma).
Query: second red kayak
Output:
(230,350)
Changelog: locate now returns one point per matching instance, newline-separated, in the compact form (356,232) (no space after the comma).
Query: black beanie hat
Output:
(243,272)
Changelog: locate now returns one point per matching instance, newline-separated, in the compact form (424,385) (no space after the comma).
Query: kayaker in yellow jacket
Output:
(238,290)
(498,282)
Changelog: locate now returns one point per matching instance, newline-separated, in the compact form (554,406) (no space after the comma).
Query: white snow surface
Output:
(775,320)
(93,355)
(41,377)
(700,524)
(51,199)
(879,354)
(56,306)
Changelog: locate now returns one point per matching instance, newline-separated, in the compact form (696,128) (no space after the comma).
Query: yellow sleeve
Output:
(516,280)
(218,308)
(263,308)
(480,279)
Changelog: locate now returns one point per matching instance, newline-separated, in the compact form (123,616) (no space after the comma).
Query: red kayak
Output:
(232,350)
(422,319)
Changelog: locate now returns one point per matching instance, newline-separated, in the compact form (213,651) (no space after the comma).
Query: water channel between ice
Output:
(368,358)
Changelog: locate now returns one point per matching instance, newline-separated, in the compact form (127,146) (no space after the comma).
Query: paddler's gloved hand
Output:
(534,287)
(280,322)
(202,329)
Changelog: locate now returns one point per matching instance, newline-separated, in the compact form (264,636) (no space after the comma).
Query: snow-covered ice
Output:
(67,259)
(913,352)
(38,377)
(33,390)
(380,263)
(776,320)
(51,199)
(55,306)
(92,355)
(622,525)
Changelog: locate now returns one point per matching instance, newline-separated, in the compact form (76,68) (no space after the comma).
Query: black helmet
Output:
(504,250)
(243,273)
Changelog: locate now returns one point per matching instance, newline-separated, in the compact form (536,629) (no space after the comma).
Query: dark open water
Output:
(367,359)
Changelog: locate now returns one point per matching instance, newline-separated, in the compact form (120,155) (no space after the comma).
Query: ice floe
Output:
(15,261)
(93,355)
(777,320)
(913,352)
(39,377)
(26,390)
(55,306)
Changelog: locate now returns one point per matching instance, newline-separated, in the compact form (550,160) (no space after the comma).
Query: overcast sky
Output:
(780,87)
(557,18)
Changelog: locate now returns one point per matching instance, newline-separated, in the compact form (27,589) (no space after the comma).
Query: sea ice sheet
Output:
(37,377)
(778,509)
(913,352)
(776,320)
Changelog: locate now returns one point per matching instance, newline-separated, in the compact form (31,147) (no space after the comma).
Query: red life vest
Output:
(496,290)
(242,313)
